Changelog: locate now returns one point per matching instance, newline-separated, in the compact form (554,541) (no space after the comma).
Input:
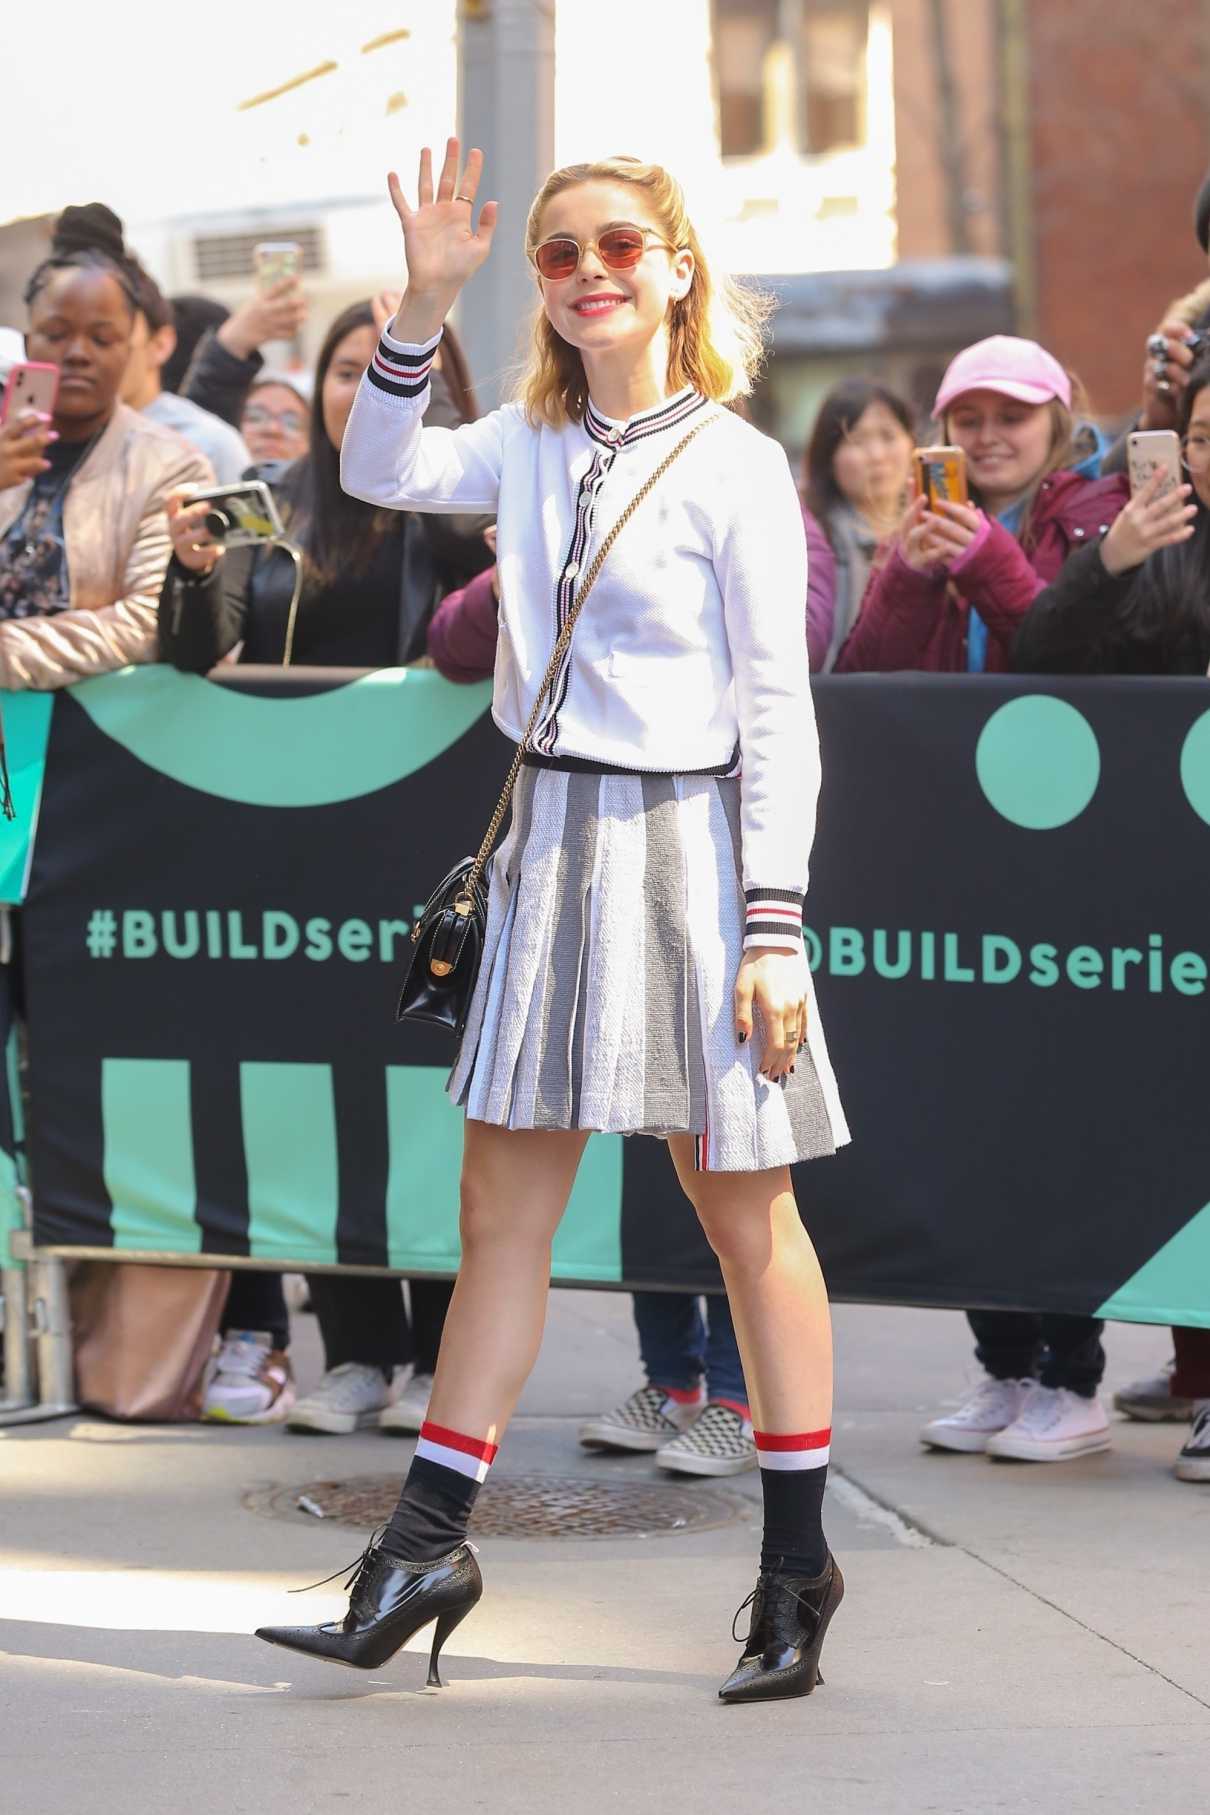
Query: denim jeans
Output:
(682,1337)
(1055,1349)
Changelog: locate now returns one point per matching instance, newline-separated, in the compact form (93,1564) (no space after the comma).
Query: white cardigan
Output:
(691,653)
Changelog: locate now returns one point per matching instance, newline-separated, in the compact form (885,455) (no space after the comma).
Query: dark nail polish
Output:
(742,1037)
(792,1070)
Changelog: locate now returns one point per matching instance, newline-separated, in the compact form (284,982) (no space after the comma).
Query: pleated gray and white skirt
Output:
(604,999)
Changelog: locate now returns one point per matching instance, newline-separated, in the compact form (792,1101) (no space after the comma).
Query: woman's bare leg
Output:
(778,1298)
(515,1186)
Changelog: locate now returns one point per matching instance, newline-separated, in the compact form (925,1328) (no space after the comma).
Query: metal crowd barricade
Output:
(38,1372)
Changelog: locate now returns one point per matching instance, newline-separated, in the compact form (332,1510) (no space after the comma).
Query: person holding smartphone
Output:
(367,587)
(228,359)
(950,597)
(84,538)
(1139,603)
(959,578)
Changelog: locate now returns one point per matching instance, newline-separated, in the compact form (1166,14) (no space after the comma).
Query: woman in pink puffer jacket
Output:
(958,582)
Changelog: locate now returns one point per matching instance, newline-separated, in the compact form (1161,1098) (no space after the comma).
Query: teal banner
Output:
(26,721)
(1005,922)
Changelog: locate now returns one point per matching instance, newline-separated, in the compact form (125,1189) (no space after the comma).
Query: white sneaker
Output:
(1193,1463)
(249,1382)
(1153,1400)
(404,1415)
(718,1442)
(347,1399)
(646,1421)
(992,1407)
(1054,1425)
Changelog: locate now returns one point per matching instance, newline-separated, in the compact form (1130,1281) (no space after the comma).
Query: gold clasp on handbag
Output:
(464,906)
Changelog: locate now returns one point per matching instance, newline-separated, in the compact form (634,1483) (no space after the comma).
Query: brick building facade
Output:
(1118,110)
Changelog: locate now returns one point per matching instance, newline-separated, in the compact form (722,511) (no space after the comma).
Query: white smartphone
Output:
(32,385)
(275,259)
(1150,451)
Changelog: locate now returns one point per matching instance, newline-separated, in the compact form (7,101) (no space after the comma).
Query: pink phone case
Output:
(32,385)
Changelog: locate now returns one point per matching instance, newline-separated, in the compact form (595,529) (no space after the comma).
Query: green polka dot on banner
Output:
(1195,767)
(1038,762)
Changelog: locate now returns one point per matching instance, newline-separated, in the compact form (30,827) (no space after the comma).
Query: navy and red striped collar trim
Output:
(669,415)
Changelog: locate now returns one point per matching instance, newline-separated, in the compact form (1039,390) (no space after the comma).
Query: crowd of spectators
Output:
(1050,566)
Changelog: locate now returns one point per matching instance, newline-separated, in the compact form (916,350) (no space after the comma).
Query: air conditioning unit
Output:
(220,257)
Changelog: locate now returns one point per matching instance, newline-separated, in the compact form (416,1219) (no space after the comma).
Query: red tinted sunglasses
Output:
(620,248)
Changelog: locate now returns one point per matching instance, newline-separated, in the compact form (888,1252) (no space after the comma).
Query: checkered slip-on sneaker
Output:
(718,1442)
(646,1421)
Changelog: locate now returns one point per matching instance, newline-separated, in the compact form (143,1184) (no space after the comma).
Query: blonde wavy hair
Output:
(715,331)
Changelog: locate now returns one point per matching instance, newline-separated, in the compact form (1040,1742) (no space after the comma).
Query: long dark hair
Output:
(338,534)
(1168,607)
(839,413)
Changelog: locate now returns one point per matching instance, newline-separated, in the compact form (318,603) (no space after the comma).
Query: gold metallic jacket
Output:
(115,529)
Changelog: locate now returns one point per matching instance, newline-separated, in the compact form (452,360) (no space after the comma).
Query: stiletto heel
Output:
(790,1616)
(390,1600)
(446,1624)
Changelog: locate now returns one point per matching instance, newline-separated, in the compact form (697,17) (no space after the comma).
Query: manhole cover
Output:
(520,1506)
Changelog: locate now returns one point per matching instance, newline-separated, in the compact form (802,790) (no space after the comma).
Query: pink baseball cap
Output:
(1015,368)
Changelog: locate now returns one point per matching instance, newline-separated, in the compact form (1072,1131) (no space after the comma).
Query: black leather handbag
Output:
(448,938)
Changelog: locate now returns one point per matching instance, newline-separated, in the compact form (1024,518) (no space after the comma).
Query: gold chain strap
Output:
(560,648)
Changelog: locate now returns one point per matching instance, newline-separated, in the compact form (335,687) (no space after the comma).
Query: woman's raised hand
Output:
(441,244)
(1159,516)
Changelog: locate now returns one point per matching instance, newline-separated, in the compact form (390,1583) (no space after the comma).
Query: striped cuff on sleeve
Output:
(399,370)
(774,917)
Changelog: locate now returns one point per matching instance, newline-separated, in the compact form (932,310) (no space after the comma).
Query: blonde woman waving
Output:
(643,968)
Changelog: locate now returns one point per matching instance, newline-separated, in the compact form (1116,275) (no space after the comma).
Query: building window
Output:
(816,48)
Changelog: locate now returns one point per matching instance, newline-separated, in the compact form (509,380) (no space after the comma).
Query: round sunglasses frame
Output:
(611,264)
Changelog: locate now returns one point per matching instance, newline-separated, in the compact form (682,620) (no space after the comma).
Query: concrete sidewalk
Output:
(1014,1638)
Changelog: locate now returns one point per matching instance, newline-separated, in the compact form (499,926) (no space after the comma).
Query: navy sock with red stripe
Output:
(439,1494)
(793,1475)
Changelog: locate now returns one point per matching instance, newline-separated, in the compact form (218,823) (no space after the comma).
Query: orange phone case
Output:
(941,474)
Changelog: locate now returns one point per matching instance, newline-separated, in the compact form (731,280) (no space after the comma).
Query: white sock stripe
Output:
(793,1458)
(471,1466)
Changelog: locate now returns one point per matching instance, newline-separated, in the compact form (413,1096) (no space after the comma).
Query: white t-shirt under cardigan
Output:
(691,652)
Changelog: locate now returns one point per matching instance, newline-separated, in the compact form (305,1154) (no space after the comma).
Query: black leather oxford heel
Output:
(790,1616)
(446,1623)
(390,1600)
